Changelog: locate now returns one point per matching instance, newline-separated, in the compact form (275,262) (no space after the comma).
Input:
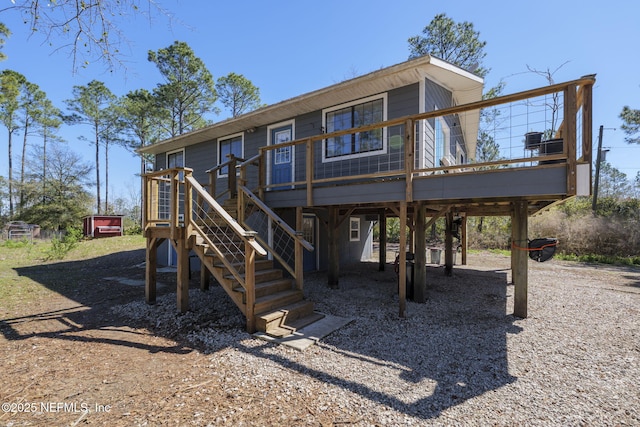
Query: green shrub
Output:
(61,247)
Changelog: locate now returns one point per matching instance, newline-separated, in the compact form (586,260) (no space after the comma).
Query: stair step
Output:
(276,301)
(269,288)
(286,319)
(261,275)
(261,264)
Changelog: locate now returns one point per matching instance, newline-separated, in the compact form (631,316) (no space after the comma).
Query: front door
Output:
(282,158)
(309,233)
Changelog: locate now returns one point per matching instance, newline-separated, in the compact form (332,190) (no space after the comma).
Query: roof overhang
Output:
(465,87)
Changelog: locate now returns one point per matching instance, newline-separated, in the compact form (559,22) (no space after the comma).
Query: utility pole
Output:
(597,180)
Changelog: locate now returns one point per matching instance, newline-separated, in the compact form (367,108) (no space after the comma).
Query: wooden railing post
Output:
(250,281)
(146,194)
(570,138)
(309,172)
(587,127)
(174,202)
(262,173)
(188,206)
(231,176)
(212,183)
(299,251)
(409,149)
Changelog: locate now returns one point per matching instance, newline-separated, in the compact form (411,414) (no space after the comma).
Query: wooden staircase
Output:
(280,308)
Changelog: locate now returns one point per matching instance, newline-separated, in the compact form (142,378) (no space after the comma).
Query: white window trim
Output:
(224,138)
(384,97)
(291,123)
(168,153)
(357,220)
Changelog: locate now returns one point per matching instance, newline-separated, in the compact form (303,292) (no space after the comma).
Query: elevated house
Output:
(297,185)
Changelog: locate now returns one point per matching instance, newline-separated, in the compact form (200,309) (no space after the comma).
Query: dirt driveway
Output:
(95,354)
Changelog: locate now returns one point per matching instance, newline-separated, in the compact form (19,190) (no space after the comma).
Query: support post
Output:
(464,242)
(420,255)
(334,255)
(448,245)
(402,267)
(150,275)
(382,221)
(519,258)
(250,284)
(205,277)
(182,274)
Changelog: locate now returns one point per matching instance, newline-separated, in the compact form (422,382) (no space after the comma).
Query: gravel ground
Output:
(459,359)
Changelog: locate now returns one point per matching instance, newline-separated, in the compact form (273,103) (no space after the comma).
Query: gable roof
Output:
(465,86)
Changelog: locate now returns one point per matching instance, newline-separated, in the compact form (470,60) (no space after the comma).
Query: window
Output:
(353,115)
(354,229)
(442,141)
(226,147)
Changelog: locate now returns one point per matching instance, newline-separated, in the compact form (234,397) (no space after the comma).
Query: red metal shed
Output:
(103,225)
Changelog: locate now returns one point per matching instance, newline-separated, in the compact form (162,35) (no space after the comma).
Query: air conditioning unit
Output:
(448,160)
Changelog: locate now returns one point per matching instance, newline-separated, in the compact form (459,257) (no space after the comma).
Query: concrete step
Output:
(287,319)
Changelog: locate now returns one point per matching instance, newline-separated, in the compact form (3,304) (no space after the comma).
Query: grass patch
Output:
(50,277)
(600,259)
(504,252)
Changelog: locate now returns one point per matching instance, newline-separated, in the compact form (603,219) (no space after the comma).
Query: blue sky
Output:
(289,47)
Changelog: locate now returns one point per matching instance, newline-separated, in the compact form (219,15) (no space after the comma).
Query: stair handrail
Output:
(299,242)
(237,228)
(231,178)
(274,217)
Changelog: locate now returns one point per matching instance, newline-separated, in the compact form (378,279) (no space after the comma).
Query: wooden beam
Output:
(402,267)
(437,215)
(519,258)
(382,225)
(448,245)
(420,255)
(150,275)
(182,275)
(334,255)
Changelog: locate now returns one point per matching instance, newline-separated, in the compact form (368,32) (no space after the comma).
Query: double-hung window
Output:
(354,115)
(232,145)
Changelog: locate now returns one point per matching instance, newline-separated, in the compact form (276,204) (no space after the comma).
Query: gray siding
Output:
(438,97)
(201,157)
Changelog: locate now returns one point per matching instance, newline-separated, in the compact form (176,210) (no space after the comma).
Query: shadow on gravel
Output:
(87,316)
(449,350)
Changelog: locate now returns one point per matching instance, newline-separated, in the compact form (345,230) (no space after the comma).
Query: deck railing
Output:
(411,147)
